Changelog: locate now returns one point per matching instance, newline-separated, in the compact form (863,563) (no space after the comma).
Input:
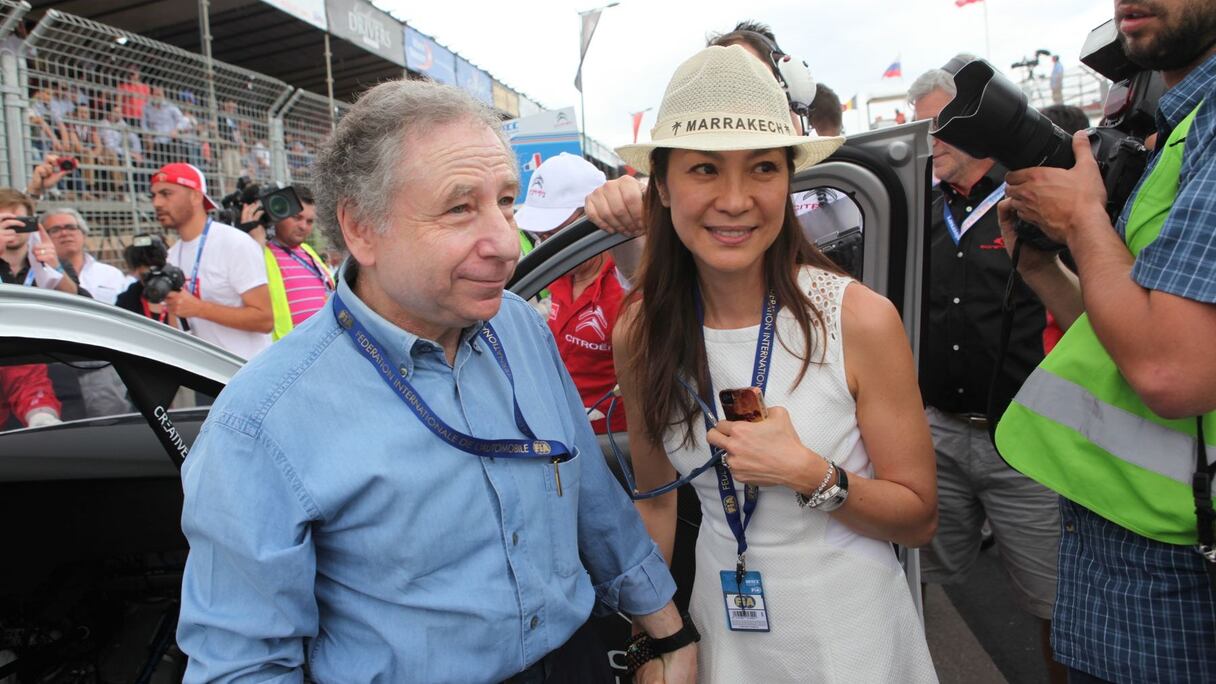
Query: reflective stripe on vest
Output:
(1079,428)
(279,305)
(1121,433)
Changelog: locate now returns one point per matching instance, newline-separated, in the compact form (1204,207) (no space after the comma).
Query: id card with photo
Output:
(746,610)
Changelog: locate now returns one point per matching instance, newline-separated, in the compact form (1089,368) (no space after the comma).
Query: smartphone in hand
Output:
(29,224)
(745,403)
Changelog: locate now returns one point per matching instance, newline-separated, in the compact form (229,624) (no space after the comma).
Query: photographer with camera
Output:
(969,270)
(27,254)
(1115,418)
(299,280)
(146,259)
(224,296)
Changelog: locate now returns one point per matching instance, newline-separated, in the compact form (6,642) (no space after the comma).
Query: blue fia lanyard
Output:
(726,484)
(312,268)
(956,231)
(198,258)
(550,450)
(29,276)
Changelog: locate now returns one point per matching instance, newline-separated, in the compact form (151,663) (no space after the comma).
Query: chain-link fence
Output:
(123,105)
(307,121)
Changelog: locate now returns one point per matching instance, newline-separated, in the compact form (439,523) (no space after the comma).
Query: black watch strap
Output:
(688,634)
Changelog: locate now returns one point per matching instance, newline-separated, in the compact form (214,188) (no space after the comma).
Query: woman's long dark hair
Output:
(666,340)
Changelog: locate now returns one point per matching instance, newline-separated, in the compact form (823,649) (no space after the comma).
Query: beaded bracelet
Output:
(639,652)
(816,496)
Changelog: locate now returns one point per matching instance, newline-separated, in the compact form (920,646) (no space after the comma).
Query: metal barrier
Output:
(123,105)
(1081,87)
(12,111)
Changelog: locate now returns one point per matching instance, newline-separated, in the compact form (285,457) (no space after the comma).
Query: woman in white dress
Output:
(730,295)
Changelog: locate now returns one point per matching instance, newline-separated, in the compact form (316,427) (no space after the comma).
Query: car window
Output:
(833,221)
(46,389)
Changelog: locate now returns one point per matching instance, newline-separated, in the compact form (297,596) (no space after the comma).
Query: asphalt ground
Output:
(976,632)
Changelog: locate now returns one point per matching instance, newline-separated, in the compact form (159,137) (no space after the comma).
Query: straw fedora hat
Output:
(723,98)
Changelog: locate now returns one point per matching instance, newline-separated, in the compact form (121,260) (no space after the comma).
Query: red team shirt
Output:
(583,331)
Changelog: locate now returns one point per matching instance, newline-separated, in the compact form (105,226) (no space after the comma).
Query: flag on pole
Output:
(964,3)
(590,21)
(637,123)
(851,104)
(893,71)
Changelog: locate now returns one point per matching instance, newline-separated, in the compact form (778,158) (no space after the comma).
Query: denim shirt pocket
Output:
(563,513)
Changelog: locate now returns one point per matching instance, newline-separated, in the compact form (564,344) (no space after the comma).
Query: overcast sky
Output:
(532,45)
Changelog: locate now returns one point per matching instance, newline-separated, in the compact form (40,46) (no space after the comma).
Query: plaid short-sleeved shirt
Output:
(1182,260)
(1130,609)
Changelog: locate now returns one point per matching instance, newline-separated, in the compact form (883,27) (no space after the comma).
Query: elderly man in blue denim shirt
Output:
(394,492)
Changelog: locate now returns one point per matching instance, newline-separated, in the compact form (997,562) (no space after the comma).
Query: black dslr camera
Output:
(161,277)
(277,204)
(990,117)
(159,282)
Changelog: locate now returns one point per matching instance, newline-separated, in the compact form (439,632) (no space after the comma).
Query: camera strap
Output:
(1205,516)
(532,448)
(163,316)
(958,231)
(198,259)
(761,365)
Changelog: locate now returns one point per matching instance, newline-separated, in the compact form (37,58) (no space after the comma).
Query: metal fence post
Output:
(13,167)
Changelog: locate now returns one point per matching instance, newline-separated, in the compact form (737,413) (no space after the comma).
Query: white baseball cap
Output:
(558,187)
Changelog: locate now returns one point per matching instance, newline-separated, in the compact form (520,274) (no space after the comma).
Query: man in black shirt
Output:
(968,272)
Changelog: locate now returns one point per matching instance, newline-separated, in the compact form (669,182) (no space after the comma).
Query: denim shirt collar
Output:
(1178,101)
(400,346)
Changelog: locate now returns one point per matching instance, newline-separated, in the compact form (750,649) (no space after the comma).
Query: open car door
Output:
(866,207)
(94,550)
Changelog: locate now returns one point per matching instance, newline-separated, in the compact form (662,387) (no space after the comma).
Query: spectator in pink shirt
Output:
(299,280)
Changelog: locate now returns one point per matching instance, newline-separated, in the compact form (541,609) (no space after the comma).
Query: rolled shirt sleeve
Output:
(248,602)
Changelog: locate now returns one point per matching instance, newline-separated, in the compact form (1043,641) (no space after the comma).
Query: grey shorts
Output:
(974,483)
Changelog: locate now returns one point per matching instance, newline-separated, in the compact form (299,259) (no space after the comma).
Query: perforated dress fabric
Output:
(839,604)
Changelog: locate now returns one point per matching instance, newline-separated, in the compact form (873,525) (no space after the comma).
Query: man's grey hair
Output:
(931,80)
(939,79)
(360,165)
(68,211)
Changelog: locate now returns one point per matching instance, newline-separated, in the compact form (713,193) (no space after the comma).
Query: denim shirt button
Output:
(514,539)
(535,622)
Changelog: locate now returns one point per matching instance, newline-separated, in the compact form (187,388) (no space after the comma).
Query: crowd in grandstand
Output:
(119,127)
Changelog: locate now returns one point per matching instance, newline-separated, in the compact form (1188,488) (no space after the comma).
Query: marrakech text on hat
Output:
(721,99)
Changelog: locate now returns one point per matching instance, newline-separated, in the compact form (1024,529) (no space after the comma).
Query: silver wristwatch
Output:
(829,499)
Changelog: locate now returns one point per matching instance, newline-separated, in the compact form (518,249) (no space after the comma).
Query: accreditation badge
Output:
(745,607)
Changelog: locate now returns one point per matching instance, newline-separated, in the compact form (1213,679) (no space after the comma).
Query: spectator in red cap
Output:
(225,299)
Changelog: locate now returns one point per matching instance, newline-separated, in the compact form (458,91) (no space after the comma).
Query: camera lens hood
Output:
(989,117)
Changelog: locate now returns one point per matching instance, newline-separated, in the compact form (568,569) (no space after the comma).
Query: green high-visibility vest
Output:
(1079,428)
(526,246)
(278,291)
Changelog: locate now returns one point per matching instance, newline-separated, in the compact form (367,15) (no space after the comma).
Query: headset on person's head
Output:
(794,75)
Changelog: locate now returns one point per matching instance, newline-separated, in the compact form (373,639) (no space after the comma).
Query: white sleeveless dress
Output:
(839,604)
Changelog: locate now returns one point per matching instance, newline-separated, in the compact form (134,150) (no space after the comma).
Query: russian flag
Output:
(894,70)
